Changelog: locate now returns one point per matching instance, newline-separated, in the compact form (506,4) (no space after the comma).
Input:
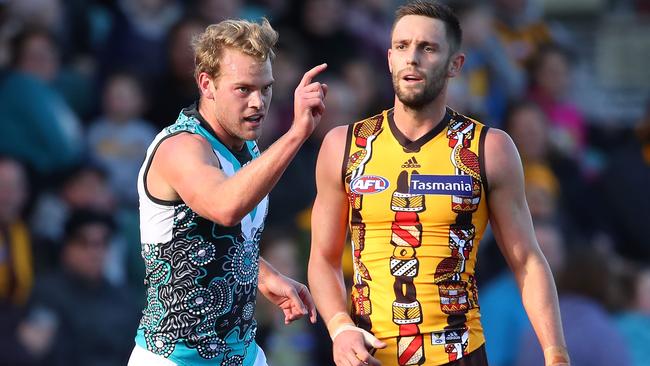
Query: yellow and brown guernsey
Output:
(417,212)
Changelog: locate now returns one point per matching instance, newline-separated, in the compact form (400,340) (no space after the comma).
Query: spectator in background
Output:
(214,11)
(503,318)
(585,289)
(491,78)
(551,81)
(49,137)
(542,192)
(529,128)
(362,77)
(16,271)
(86,317)
(119,138)
(543,197)
(5,33)
(370,21)
(35,52)
(520,28)
(67,20)
(68,24)
(321,25)
(623,186)
(634,318)
(137,39)
(177,87)
(47,15)
(282,251)
(84,186)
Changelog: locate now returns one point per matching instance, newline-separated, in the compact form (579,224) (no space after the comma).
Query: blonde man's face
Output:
(241,96)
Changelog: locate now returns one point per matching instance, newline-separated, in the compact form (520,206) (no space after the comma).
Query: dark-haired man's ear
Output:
(456,65)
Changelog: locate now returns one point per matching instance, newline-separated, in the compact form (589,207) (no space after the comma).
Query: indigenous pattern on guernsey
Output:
(201,277)
(457,295)
(417,213)
(364,134)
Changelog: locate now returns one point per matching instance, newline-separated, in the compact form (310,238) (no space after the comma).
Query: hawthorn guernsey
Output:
(414,244)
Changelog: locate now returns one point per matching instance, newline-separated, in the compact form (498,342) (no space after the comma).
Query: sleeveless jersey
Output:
(417,213)
(201,277)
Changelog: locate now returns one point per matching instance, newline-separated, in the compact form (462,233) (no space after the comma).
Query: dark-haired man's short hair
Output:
(435,10)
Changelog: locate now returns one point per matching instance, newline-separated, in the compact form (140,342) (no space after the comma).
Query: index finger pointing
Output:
(311,74)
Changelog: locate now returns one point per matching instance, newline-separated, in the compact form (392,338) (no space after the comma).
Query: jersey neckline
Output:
(414,146)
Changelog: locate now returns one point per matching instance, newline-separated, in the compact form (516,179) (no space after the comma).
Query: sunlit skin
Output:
(421,62)
(237,101)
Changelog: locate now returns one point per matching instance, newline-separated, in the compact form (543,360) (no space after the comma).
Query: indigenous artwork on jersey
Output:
(207,312)
(406,238)
(364,134)
(202,278)
(458,295)
(416,217)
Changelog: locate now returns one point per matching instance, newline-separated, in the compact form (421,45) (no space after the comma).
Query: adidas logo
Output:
(411,163)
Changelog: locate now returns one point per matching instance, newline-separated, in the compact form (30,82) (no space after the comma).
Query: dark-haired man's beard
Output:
(418,97)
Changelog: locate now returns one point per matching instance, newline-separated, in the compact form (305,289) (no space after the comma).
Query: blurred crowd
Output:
(86,85)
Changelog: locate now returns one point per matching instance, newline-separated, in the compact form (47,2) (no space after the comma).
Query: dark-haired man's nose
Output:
(412,57)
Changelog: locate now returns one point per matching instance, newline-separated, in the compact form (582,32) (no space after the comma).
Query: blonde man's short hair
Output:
(251,38)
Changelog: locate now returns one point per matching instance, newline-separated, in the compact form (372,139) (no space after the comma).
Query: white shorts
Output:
(143,357)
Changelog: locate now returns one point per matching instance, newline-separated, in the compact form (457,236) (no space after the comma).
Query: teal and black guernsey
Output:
(201,277)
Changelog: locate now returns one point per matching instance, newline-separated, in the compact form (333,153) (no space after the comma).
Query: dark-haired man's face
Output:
(419,60)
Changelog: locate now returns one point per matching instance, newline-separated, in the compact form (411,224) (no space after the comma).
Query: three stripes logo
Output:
(411,163)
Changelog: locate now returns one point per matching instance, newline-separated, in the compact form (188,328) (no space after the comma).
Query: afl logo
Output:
(368,184)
